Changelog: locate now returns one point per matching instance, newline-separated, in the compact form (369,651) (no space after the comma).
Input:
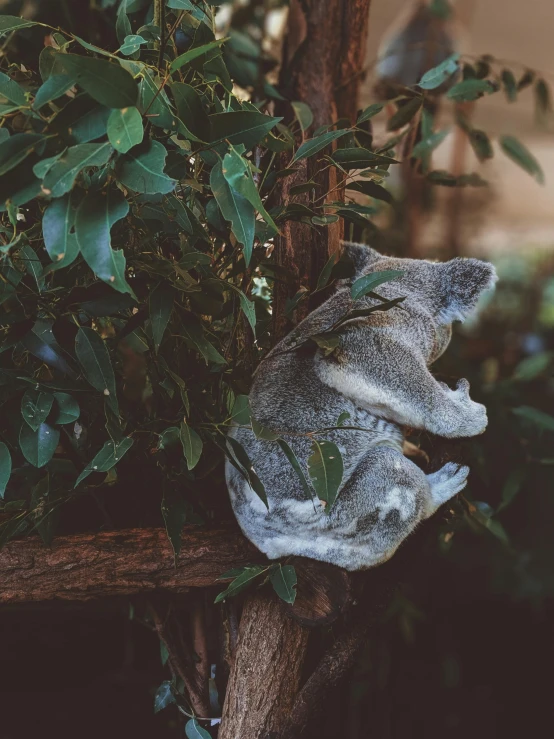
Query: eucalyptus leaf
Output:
(295,464)
(66,409)
(193,730)
(142,169)
(35,407)
(283,580)
(194,53)
(61,176)
(54,87)
(520,154)
(161,305)
(95,360)
(9,23)
(16,148)
(94,219)
(316,144)
(235,208)
(106,82)
(125,129)
(303,114)
(164,696)
(242,581)
(440,74)
(470,90)
(38,446)
(5,467)
(237,173)
(241,127)
(57,224)
(367,283)
(192,445)
(13,92)
(107,458)
(325,467)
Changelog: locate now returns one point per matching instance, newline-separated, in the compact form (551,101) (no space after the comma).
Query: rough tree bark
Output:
(87,566)
(322,66)
(265,676)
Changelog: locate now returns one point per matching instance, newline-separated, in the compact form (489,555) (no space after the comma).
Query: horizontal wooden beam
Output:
(110,563)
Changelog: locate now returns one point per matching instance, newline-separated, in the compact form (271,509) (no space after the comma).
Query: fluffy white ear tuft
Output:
(463,281)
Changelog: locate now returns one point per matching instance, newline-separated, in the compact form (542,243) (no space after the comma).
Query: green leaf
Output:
(325,468)
(35,407)
(543,102)
(327,342)
(94,219)
(122,23)
(194,53)
(538,418)
(405,113)
(236,209)
(315,145)
(132,44)
(194,332)
(369,112)
(324,220)
(66,409)
(9,23)
(161,305)
(16,148)
(241,582)
(481,144)
(125,129)
(367,283)
(142,169)
(249,309)
(246,127)
(356,158)
(38,446)
(470,90)
(237,173)
(57,223)
(174,512)
(512,486)
(424,147)
(283,579)
(303,114)
(107,458)
(10,90)
(95,360)
(192,445)
(240,412)
(106,82)
(40,343)
(261,432)
(438,75)
(61,176)
(295,464)
(368,187)
(510,85)
(54,87)
(193,730)
(532,367)
(169,437)
(5,467)
(154,103)
(191,111)
(521,155)
(32,264)
(325,273)
(164,696)
(238,455)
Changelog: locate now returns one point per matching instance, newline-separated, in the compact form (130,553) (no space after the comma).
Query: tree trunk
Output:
(88,566)
(322,66)
(265,676)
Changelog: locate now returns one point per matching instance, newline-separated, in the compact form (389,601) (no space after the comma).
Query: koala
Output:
(379,375)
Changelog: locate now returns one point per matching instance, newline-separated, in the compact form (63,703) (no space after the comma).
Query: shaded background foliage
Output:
(466,645)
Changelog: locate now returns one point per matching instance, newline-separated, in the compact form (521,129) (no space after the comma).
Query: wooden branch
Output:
(87,566)
(265,675)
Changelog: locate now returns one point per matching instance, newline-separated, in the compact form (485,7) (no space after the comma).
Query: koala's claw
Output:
(446,482)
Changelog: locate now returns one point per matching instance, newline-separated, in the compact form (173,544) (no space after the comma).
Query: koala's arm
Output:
(394,382)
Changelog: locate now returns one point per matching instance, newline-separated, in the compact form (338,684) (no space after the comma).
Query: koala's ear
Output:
(360,255)
(462,281)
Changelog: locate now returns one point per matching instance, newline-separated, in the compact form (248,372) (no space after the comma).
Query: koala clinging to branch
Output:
(378,374)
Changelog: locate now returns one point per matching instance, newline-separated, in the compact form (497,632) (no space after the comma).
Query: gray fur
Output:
(379,375)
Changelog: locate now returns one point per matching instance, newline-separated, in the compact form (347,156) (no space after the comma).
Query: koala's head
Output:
(449,291)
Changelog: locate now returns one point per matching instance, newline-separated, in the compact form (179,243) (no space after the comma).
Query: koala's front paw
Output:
(472,419)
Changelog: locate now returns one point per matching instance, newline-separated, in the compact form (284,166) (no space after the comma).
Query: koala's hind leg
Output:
(378,507)
(445,483)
